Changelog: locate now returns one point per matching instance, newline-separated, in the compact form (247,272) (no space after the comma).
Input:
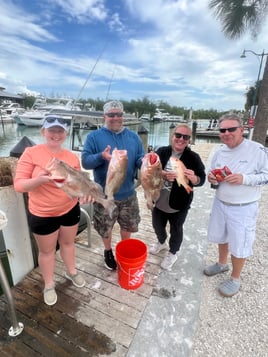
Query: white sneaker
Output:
(168,261)
(157,247)
(50,296)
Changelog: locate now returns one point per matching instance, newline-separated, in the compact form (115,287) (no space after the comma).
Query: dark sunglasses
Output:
(59,120)
(230,130)
(112,115)
(179,135)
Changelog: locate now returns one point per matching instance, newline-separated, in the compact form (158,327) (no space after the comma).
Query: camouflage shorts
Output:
(126,214)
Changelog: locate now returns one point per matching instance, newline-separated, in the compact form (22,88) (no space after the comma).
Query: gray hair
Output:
(231,117)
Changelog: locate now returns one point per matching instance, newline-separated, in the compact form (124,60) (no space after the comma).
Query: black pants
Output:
(176,221)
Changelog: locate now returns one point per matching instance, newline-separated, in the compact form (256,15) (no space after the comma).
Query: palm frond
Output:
(238,16)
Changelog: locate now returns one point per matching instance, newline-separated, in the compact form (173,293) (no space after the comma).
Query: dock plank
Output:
(99,319)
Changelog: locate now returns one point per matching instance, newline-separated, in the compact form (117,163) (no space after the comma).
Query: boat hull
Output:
(32,118)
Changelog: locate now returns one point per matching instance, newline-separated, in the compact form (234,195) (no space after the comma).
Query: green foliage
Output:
(142,106)
(250,96)
(28,101)
(238,16)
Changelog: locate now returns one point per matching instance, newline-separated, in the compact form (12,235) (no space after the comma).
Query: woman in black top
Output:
(174,201)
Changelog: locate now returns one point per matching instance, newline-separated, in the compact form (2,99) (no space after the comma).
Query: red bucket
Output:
(131,257)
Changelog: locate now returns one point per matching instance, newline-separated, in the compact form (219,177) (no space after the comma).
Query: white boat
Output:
(160,115)
(145,117)
(176,119)
(36,116)
(8,111)
(11,108)
(31,118)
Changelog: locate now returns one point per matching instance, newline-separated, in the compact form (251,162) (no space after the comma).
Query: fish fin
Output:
(188,189)
(150,205)
(109,205)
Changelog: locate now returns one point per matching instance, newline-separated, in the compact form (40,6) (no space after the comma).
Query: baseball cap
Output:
(114,104)
(55,120)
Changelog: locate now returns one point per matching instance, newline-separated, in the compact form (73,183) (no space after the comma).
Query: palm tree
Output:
(237,17)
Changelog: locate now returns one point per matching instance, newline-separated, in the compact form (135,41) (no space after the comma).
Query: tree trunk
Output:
(261,120)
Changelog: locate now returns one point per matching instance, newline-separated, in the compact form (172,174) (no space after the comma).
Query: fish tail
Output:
(109,205)
(188,189)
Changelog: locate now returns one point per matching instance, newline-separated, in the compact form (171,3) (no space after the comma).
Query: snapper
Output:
(77,183)
(116,173)
(178,167)
(151,178)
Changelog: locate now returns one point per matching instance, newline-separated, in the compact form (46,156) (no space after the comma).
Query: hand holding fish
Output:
(169,175)
(106,154)
(212,179)
(236,179)
(86,199)
(27,185)
(43,176)
(191,176)
(180,169)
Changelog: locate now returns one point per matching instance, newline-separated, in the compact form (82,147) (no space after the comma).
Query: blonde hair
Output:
(181,125)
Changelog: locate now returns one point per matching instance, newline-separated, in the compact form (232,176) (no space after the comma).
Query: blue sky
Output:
(170,50)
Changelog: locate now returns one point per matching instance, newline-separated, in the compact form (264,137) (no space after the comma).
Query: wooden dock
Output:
(99,319)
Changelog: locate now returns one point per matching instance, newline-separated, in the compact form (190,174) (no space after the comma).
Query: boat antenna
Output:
(90,73)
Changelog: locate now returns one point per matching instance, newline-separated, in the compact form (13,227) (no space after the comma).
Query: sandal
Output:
(229,287)
(215,269)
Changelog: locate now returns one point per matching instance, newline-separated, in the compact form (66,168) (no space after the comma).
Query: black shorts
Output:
(47,225)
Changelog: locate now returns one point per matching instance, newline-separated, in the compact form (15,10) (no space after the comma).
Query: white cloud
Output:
(83,11)
(164,49)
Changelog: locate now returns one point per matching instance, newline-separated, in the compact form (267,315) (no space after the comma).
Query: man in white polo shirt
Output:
(234,213)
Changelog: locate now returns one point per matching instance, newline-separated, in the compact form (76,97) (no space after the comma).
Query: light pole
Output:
(260,58)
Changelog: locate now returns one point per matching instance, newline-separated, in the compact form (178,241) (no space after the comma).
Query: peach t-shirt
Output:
(47,200)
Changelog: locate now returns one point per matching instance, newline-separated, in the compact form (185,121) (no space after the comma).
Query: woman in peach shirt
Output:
(53,216)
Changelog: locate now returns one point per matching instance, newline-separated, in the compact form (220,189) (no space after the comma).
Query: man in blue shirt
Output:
(96,155)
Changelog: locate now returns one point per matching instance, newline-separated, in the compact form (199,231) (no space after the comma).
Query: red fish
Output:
(178,167)
(151,178)
(220,174)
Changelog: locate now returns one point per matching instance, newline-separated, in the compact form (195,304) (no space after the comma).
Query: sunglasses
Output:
(59,120)
(179,135)
(112,115)
(230,130)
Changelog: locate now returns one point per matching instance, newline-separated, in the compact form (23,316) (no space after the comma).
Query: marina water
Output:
(158,135)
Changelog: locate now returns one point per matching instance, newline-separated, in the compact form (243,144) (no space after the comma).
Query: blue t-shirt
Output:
(97,141)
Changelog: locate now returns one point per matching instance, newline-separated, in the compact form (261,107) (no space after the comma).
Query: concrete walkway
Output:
(186,316)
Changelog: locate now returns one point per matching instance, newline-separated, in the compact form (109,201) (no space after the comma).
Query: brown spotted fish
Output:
(116,173)
(77,183)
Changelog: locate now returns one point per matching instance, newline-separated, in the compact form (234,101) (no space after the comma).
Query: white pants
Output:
(234,225)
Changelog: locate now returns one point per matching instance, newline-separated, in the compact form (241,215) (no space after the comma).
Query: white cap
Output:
(114,104)
(54,120)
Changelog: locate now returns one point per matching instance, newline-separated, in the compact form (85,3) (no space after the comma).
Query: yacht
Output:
(160,115)
(8,111)
(41,108)
(145,117)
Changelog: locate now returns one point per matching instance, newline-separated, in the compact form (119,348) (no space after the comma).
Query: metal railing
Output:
(16,327)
